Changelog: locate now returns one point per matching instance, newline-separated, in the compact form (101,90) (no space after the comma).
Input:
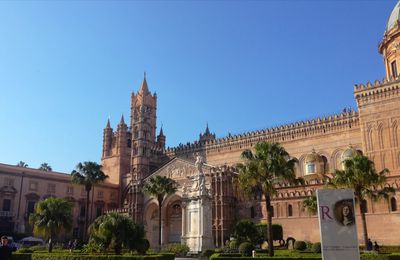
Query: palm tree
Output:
(159,187)
(360,175)
(22,164)
(261,171)
(310,204)
(51,217)
(117,231)
(45,167)
(88,174)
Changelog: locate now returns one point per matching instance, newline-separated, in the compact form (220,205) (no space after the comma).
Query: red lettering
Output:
(325,212)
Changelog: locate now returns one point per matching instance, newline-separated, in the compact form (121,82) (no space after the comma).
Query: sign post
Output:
(337,224)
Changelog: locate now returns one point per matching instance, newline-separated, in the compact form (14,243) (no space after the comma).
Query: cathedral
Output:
(132,153)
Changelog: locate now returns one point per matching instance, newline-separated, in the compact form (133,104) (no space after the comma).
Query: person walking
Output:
(369,245)
(5,249)
(376,247)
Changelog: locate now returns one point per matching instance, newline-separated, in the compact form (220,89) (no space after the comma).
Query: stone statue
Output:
(201,178)
(199,163)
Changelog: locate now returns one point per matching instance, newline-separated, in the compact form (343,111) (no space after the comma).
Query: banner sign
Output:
(337,224)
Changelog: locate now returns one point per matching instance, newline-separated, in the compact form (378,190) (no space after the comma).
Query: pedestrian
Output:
(70,246)
(75,244)
(369,245)
(5,249)
(376,246)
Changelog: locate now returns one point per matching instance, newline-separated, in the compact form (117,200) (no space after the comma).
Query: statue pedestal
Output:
(197,222)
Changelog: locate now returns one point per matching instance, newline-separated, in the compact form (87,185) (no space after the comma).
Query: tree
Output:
(360,175)
(22,164)
(45,167)
(116,231)
(88,174)
(159,187)
(246,231)
(51,217)
(260,172)
(310,204)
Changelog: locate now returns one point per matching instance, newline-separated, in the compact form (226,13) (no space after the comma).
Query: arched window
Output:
(252,212)
(393,204)
(364,206)
(290,210)
(325,164)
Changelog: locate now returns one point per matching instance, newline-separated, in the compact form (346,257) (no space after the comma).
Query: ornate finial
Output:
(144,74)
(108,122)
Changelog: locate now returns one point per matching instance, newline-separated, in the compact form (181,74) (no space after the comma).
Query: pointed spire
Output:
(207,132)
(143,87)
(161,132)
(122,122)
(108,123)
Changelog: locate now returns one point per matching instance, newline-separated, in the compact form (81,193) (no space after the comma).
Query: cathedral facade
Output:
(134,152)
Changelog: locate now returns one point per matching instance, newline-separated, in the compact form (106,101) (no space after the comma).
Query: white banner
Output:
(337,224)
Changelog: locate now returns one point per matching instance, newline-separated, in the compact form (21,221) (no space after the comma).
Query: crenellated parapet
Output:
(376,92)
(289,132)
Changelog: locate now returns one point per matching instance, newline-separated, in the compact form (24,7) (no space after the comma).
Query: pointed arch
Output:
(369,138)
(290,210)
(395,133)
(393,204)
(380,136)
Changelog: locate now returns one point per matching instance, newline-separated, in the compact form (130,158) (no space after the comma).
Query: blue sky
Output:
(66,66)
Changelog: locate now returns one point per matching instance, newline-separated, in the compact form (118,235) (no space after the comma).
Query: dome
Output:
(312,157)
(349,153)
(394,17)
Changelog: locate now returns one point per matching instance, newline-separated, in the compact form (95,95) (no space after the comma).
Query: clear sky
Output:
(65,67)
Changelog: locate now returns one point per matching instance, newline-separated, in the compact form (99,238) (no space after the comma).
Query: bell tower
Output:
(143,127)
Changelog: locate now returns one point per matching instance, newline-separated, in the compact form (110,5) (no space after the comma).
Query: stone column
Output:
(184,223)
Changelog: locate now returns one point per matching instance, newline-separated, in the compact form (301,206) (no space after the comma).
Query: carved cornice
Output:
(298,130)
(380,90)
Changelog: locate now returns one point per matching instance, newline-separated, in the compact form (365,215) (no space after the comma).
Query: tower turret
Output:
(122,137)
(206,136)
(389,47)
(161,139)
(107,140)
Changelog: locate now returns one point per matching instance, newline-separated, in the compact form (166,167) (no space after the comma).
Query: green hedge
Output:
(66,256)
(21,256)
(363,257)
(216,257)
(374,256)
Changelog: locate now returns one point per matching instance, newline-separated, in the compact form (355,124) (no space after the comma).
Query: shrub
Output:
(245,248)
(207,253)
(142,246)
(300,245)
(277,231)
(233,245)
(316,247)
(246,230)
(93,247)
(177,249)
